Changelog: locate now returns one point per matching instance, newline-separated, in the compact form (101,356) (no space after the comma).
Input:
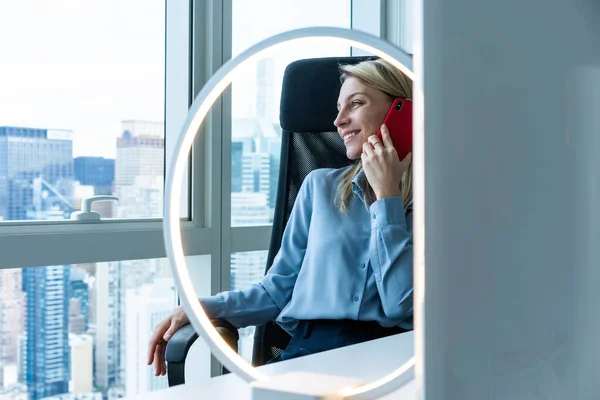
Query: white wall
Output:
(512,142)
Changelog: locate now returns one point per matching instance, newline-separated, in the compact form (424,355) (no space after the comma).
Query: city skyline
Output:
(95,302)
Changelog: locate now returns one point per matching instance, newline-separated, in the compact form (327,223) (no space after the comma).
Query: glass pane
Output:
(247,268)
(82,104)
(81,329)
(256,133)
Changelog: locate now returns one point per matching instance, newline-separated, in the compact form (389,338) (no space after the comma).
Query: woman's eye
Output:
(355,103)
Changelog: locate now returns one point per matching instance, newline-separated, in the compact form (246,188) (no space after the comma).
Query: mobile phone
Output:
(399,122)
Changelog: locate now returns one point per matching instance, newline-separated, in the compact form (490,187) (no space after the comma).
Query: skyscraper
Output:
(139,180)
(139,169)
(36,173)
(82,361)
(11,306)
(266,107)
(47,360)
(256,172)
(79,290)
(107,359)
(36,177)
(98,172)
(146,306)
(236,166)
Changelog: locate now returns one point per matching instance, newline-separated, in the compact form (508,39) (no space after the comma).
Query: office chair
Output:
(309,141)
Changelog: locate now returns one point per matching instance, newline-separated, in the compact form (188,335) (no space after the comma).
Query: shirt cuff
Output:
(213,306)
(387,211)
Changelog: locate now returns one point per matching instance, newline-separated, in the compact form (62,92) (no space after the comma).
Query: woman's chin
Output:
(352,155)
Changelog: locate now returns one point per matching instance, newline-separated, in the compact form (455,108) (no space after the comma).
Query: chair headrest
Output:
(309,93)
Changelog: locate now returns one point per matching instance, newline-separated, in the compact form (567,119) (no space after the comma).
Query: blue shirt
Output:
(332,265)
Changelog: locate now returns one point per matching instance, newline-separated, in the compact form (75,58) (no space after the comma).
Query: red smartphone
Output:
(399,122)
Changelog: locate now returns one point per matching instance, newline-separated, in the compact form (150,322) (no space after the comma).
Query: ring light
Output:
(263,385)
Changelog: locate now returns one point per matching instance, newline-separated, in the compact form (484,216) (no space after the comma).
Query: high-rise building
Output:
(139,180)
(47,361)
(249,209)
(11,310)
(82,373)
(36,182)
(139,169)
(79,291)
(36,173)
(255,172)
(236,166)
(266,107)
(98,172)
(107,357)
(146,306)
(21,358)
(77,323)
(8,377)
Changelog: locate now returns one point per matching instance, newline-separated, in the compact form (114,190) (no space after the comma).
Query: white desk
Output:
(367,361)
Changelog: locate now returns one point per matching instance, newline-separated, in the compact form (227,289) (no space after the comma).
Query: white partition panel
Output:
(512,148)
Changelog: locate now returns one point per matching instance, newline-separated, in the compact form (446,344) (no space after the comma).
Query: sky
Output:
(85,65)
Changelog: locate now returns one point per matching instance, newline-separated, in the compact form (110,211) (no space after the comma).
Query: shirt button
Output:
(373,216)
(355,298)
(362,265)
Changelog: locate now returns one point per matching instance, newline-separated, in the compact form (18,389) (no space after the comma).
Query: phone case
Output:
(399,122)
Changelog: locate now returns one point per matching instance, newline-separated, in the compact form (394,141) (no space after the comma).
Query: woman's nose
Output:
(340,120)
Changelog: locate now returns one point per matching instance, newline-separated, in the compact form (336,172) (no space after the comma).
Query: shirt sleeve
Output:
(391,256)
(263,301)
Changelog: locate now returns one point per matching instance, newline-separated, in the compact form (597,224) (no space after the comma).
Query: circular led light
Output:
(172,234)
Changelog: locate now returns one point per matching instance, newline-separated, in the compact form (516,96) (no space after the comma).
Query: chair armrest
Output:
(179,346)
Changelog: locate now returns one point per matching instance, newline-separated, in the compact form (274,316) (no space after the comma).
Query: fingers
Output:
(170,332)
(385,135)
(158,361)
(156,338)
(176,322)
(375,142)
(163,361)
(151,348)
(367,149)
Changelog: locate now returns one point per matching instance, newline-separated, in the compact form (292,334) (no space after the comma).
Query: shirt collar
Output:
(359,184)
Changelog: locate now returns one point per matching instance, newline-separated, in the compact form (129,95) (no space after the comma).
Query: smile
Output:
(349,135)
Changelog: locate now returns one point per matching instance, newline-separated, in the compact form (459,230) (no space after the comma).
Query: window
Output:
(168,67)
(83,94)
(83,108)
(81,328)
(255,130)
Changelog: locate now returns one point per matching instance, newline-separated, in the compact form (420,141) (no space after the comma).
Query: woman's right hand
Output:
(161,335)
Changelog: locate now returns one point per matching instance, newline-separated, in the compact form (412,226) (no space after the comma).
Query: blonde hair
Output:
(381,75)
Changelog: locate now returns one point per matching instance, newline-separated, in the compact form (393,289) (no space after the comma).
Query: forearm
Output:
(250,306)
(392,257)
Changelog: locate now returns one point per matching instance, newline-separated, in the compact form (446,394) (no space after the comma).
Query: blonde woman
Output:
(344,272)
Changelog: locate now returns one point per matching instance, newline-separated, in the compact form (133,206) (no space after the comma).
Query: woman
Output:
(344,273)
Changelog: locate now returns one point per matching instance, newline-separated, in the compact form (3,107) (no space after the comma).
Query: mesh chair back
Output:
(309,141)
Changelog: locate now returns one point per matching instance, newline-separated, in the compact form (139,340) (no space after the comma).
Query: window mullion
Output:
(207,201)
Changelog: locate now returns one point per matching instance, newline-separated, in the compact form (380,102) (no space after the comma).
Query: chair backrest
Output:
(309,141)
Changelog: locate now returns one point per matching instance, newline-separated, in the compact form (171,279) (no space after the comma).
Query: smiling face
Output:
(361,110)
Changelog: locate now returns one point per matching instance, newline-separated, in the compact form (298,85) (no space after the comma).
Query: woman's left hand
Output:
(382,167)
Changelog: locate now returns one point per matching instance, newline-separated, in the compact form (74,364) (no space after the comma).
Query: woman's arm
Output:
(391,255)
(263,301)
